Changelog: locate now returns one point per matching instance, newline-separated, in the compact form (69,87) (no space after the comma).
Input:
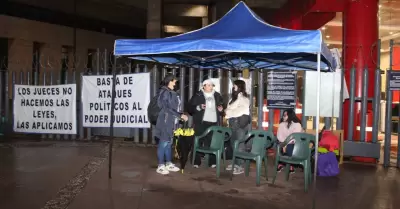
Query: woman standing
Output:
(169,116)
(206,107)
(238,115)
(288,124)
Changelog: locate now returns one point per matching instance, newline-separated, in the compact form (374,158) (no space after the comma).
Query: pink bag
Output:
(329,141)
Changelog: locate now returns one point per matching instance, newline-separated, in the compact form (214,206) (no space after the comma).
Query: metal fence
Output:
(70,71)
(46,71)
(389,117)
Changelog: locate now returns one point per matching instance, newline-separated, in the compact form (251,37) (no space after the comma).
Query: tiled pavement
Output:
(75,175)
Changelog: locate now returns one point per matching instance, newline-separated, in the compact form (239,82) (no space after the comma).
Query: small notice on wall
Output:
(281,89)
(132,96)
(45,109)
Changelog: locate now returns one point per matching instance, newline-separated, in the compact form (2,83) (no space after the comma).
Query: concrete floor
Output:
(75,176)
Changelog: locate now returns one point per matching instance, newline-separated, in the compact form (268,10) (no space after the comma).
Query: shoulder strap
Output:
(162,92)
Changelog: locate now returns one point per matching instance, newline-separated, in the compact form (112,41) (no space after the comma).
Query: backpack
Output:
(153,109)
(327,165)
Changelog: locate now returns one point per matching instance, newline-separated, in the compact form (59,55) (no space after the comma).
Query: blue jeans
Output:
(238,133)
(164,152)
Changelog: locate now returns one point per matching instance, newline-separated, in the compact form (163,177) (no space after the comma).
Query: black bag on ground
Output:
(228,150)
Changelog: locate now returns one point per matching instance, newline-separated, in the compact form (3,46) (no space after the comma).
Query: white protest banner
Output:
(45,109)
(132,96)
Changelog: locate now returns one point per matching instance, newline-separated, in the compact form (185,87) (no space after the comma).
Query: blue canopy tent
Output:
(239,40)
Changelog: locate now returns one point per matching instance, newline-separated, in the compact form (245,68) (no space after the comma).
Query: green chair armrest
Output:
(196,141)
(286,142)
(237,142)
(205,133)
(208,130)
(278,149)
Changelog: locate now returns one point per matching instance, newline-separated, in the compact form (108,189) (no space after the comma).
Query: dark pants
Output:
(204,142)
(289,151)
(238,133)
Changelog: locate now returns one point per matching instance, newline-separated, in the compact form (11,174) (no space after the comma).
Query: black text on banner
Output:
(132,96)
(45,109)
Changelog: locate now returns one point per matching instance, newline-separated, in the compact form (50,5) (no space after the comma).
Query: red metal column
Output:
(296,24)
(360,33)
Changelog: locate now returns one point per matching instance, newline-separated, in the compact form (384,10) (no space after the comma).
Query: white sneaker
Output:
(229,167)
(213,166)
(238,170)
(162,170)
(171,167)
(196,166)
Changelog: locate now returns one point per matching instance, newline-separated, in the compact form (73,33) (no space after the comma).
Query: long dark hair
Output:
(168,78)
(292,118)
(241,89)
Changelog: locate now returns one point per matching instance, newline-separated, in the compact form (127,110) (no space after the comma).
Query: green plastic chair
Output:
(217,145)
(301,156)
(261,141)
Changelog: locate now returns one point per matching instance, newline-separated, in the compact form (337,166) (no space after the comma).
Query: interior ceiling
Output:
(389,25)
(181,16)
(389,18)
(252,3)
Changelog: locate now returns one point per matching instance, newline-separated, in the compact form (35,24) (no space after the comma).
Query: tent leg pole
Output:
(251,98)
(260,100)
(316,130)
(303,98)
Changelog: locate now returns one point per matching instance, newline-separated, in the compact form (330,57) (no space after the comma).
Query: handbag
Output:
(327,165)
(244,120)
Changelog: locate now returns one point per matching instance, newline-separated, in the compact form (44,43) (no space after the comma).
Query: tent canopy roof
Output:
(240,39)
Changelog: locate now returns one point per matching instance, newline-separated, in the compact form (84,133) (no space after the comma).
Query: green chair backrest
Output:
(261,140)
(219,136)
(301,150)
(228,132)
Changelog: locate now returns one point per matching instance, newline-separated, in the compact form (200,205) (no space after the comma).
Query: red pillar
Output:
(360,33)
(296,24)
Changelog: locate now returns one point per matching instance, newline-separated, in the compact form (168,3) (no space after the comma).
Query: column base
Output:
(362,150)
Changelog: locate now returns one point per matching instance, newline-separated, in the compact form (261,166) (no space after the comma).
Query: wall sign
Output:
(281,89)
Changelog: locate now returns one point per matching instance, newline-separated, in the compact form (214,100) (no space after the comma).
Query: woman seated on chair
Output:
(289,124)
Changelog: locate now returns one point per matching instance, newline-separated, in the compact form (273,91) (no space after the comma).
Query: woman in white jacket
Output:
(238,115)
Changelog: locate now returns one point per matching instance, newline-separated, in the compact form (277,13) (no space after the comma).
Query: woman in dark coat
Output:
(169,116)
(206,107)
